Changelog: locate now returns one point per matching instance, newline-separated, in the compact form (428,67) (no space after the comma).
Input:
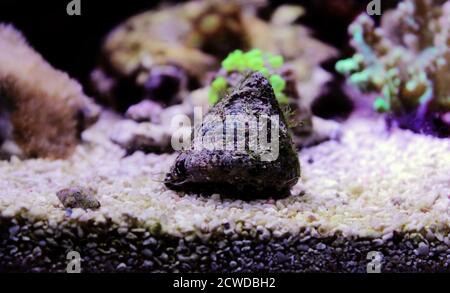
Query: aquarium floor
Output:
(370,191)
(368,184)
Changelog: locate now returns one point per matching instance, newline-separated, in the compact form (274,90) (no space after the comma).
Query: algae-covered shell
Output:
(230,171)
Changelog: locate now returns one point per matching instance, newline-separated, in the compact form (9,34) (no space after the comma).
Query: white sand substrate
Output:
(368,184)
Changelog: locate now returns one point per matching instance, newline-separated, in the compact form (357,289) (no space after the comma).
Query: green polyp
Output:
(427,96)
(219,83)
(234,61)
(213,97)
(265,72)
(411,85)
(254,60)
(423,77)
(358,35)
(386,92)
(277,82)
(360,77)
(241,65)
(255,64)
(228,64)
(276,61)
(377,80)
(254,53)
(358,58)
(346,66)
(381,105)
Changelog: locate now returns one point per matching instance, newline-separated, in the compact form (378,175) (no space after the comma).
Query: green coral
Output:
(217,86)
(276,61)
(381,105)
(279,85)
(406,61)
(253,60)
(347,66)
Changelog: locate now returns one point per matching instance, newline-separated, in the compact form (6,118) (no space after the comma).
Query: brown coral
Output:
(194,37)
(171,54)
(43,109)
